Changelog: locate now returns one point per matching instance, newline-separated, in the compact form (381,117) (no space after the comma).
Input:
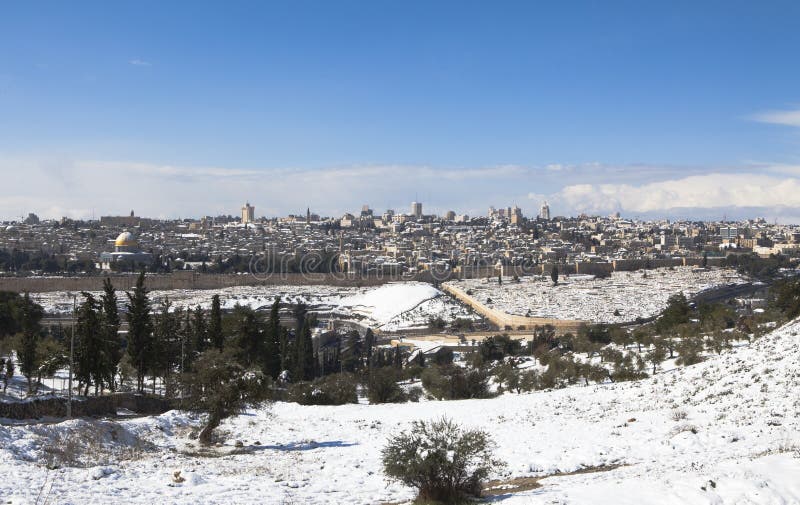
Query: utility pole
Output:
(71,357)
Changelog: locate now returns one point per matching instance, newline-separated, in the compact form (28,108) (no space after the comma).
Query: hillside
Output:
(724,431)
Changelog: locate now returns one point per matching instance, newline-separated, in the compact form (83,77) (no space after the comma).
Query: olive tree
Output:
(443,461)
(221,387)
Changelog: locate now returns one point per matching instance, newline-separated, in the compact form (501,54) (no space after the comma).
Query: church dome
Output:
(125,239)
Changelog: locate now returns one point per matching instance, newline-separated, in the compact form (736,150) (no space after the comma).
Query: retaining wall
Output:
(107,405)
(501,319)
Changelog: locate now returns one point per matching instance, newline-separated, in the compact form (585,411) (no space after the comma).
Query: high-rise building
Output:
(416,209)
(544,213)
(248,213)
(729,232)
(516,215)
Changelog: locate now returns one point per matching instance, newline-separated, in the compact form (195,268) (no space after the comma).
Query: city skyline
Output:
(647,110)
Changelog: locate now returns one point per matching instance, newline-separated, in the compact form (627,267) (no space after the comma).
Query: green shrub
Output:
(444,462)
(382,387)
(455,383)
(497,347)
(443,356)
(690,351)
(335,389)
(414,393)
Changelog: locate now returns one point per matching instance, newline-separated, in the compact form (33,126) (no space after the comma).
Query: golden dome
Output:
(125,239)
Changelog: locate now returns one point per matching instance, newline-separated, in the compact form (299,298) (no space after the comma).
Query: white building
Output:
(416,209)
(544,212)
(248,213)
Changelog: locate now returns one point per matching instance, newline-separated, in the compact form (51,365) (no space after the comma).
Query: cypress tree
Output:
(30,316)
(91,361)
(287,351)
(249,335)
(140,331)
(215,324)
(164,334)
(111,323)
(352,360)
(187,342)
(304,349)
(200,331)
(272,341)
(369,344)
(398,358)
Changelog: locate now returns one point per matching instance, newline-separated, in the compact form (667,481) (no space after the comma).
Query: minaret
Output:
(308,215)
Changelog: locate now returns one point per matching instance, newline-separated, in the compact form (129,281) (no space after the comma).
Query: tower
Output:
(416,209)
(248,213)
(544,213)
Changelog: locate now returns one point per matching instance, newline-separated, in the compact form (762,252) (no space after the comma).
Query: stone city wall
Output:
(503,320)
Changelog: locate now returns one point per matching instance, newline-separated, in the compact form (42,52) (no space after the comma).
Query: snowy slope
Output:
(740,430)
(392,306)
(585,298)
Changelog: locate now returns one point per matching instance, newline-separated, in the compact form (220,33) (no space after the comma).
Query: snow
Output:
(738,443)
(386,303)
(392,307)
(585,298)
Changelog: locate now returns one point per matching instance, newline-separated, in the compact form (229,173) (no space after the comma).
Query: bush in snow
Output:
(679,415)
(497,347)
(335,389)
(382,387)
(454,383)
(515,379)
(689,351)
(443,461)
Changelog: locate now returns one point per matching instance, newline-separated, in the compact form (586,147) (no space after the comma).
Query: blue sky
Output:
(190,108)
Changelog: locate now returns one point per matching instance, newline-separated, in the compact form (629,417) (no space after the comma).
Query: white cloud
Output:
(779,117)
(58,186)
(716,190)
(139,63)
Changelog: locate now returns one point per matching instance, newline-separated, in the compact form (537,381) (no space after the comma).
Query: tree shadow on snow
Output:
(304,446)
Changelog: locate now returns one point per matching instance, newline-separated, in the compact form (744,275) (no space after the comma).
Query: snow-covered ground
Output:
(391,307)
(584,298)
(726,431)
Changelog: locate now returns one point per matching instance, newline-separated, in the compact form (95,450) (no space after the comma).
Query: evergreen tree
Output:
(7,372)
(398,358)
(200,331)
(353,354)
(91,360)
(249,335)
(111,340)
(187,341)
(165,332)
(369,345)
(140,331)
(304,352)
(215,324)
(272,341)
(676,313)
(287,352)
(220,386)
(30,317)
(554,274)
